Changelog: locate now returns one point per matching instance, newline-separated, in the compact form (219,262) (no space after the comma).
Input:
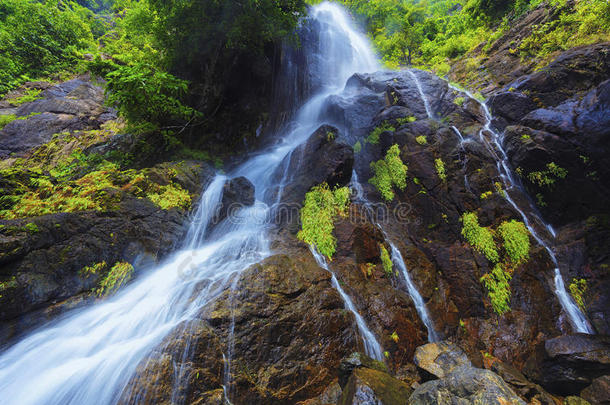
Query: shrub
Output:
(516,240)
(548,177)
(357,147)
(6,119)
(389,172)
(118,276)
(317,217)
(498,288)
(386,261)
(479,237)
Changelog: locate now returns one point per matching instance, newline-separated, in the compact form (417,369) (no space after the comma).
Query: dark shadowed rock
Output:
(511,105)
(236,194)
(573,361)
(598,393)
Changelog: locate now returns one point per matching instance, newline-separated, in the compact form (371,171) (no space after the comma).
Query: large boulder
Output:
(598,393)
(465,385)
(368,386)
(440,359)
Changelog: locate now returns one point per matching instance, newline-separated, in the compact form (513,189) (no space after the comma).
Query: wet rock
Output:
(598,393)
(330,396)
(575,401)
(368,386)
(573,361)
(511,105)
(236,194)
(440,359)
(354,361)
(42,265)
(321,159)
(466,385)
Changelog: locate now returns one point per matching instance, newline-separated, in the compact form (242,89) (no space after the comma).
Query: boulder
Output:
(440,359)
(573,361)
(511,105)
(236,194)
(373,387)
(598,393)
(357,360)
(465,385)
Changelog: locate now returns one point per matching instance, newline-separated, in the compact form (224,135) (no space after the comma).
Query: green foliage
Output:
(40,38)
(405,120)
(459,101)
(389,173)
(516,240)
(357,147)
(486,195)
(386,261)
(29,96)
(548,177)
(479,237)
(118,276)
(145,94)
(171,196)
(440,169)
(31,227)
(422,140)
(578,289)
(319,210)
(6,119)
(96,268)
(498,288)
(373,137)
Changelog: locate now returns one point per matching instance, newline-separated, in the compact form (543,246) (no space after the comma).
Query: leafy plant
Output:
(479,237)
(118,276)
(373,137)
(548,177)
(578,289)
(386,261)
(422,140)
(498,288)
(321,207)
(440,169)
(516,240)
(389,172)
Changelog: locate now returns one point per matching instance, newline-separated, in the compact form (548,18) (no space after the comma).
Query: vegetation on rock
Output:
(318,214)
(389,173)
(118,276)
(386,261)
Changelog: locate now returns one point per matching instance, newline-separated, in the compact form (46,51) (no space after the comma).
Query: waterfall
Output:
(424,99)
(575,315)
(89,355)
(399,262)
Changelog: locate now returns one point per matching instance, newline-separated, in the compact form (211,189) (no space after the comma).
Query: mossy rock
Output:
(369,386)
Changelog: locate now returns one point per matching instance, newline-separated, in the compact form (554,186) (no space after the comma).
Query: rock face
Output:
(236,194)
(368,386)
(41,265)
(466,385)
(73,105)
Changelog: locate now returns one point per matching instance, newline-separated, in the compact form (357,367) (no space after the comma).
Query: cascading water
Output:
(399,262)
(371,346)
(577,318)
(89,355)
(424,99)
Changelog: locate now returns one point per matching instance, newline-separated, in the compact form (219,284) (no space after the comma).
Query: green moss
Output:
(578,289)
(389,172)
(6,119)
(525,138)
(357,147)
(479,237)
(171,196)
(459,101)
(118,276)
(405,120)
(321,207)
(31,227)
(422,140)
(96,268)
(373,137)
(498,288)
(486,195)
(29,96)
(386,261)
(440,169)
(516,241)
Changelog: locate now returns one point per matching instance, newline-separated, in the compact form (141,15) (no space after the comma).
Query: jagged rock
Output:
(354,361)
(511,105)
(598,393)
(466,385)
(573,361)
(368,386)
(440,359)
(330,396)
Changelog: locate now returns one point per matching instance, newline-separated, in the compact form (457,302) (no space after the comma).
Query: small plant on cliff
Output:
(479,237)
(373,138)
(357,147)
(578,289)
(171,196)
(405,120)
(6,119)
(422,140)
(321,207)
(118,275)
(93,269)
(389,172)
(498,288)
(459,101)
(386,261)
(516,241)
(440,169)
(548,177)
